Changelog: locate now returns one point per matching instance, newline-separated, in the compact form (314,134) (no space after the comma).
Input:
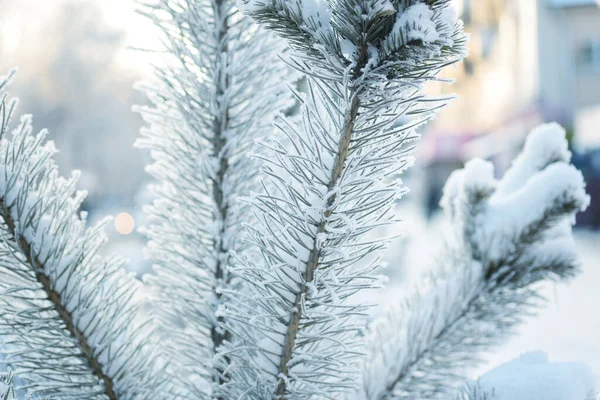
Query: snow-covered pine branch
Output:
(366,62)
(66,313)
(222,84)
(511,236)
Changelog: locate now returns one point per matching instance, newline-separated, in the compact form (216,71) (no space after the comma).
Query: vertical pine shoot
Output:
(366,63)
(217,93)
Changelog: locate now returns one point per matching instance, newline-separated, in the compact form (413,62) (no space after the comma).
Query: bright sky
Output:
(140,32)
(27,16)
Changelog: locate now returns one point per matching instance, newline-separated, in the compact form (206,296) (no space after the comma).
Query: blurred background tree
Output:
(76,76)
(72,81)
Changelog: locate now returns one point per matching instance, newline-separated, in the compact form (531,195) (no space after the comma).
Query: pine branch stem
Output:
(446,330)
(55,298)
(221,124)
(315,254)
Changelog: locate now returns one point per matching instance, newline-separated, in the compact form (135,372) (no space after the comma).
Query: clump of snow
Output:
(532,377)
(539,183)
(446,18)
(348,48)
(544,145)
(544,193)
(477,178)
(452,189)
(479,175)
(381,7)
(318,13)
(420,23)
(416,23)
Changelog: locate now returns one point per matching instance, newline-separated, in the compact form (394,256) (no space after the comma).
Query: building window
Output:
(589,54)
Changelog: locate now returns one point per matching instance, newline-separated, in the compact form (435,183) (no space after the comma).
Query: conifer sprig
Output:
(221,87)
(67,315)
(299,335)
(509,237)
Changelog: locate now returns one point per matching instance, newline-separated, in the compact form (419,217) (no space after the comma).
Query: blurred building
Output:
(531,61)
(541,55)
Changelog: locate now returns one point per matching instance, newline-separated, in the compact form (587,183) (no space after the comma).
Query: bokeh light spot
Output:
(124,223)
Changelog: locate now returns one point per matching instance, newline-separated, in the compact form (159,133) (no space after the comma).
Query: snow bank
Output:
(532,377)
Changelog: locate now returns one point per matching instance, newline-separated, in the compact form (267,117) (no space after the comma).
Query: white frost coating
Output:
(504,243)
(532,377)
(317,11)
(330,183)
(217,97)
(416,23)
(544,145)
(50,267)
(287,231)
(420,23)
(395,341)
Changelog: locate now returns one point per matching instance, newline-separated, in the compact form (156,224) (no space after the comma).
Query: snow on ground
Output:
(532,377)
